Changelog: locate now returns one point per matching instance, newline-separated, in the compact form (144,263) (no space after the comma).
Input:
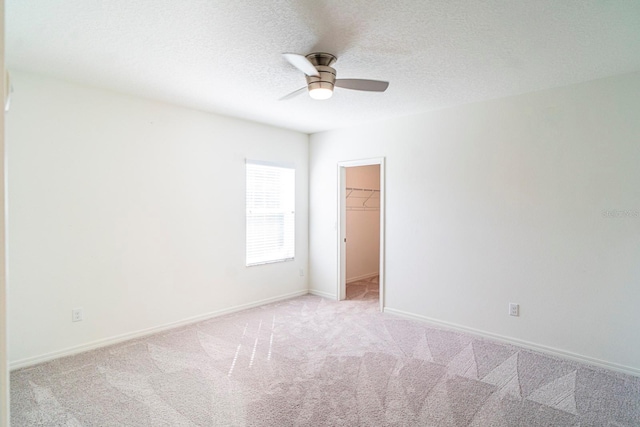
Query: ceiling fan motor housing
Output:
(325,80)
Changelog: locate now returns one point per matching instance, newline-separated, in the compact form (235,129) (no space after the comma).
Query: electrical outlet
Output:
(76,315)
(514,309)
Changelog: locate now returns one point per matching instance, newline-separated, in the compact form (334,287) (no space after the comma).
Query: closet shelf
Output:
(370,199)
(360,193)
(362,189)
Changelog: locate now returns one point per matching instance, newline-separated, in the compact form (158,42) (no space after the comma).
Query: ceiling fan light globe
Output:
(320,93)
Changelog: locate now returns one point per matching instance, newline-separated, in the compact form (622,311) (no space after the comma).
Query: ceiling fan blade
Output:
(293,94)
(362,84)
(301,63)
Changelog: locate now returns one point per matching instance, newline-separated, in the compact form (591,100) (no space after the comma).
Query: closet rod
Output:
(362,208)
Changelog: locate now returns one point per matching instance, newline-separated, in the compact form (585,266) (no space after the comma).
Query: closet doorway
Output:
(361,230)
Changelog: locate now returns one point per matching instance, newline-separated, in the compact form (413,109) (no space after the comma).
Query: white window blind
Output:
(270,212)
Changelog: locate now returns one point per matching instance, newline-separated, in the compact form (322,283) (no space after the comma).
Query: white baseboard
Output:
(362,277)
(520,343)
(322,294)
(30,361)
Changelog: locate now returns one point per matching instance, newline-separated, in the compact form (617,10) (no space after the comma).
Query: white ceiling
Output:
(223,56)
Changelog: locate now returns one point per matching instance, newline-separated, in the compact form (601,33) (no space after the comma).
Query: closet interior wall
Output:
(363,222)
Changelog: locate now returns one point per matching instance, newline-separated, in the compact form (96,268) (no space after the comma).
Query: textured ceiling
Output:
(224,56)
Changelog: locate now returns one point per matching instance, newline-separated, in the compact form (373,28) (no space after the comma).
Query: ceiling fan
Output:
(321,77)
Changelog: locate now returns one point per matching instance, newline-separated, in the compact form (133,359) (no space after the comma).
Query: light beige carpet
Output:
(366,289)
(309,361)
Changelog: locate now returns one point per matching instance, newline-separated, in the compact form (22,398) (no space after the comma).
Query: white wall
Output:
(134,211)
(363,225)
(502,201)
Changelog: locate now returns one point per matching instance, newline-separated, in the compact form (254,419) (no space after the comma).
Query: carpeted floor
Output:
(310,361)
(367,289)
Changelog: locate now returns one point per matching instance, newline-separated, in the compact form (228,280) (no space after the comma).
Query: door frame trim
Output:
(342,226)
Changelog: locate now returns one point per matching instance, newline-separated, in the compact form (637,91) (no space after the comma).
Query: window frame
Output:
(287,200)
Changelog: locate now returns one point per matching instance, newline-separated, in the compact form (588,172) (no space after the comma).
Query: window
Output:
(270,212)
